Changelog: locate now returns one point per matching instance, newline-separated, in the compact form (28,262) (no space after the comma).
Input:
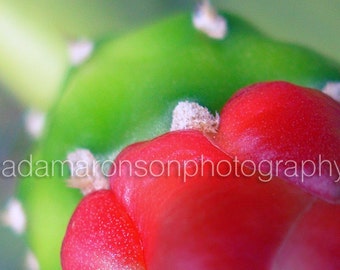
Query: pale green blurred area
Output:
(34,38)
(312,23)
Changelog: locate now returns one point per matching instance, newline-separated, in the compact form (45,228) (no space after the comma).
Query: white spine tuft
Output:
(80,51)
(14,216)
(333,90)
(190,115)
(34,123)
(86,172)
(207,20)
(31,262)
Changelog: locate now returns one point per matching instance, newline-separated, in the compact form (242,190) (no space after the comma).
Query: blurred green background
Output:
(34,38)
(34,34)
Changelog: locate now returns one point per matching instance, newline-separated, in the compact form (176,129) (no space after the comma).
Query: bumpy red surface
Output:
(217,218)
(101,236)
(291,130)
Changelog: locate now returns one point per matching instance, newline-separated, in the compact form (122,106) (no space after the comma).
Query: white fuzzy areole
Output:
(191,115)
(34,123)
(207,20)
(86,172)
(79,51)
(333,90)
(14,216)
(31,262)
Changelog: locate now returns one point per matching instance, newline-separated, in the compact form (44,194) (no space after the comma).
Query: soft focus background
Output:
(34,38)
